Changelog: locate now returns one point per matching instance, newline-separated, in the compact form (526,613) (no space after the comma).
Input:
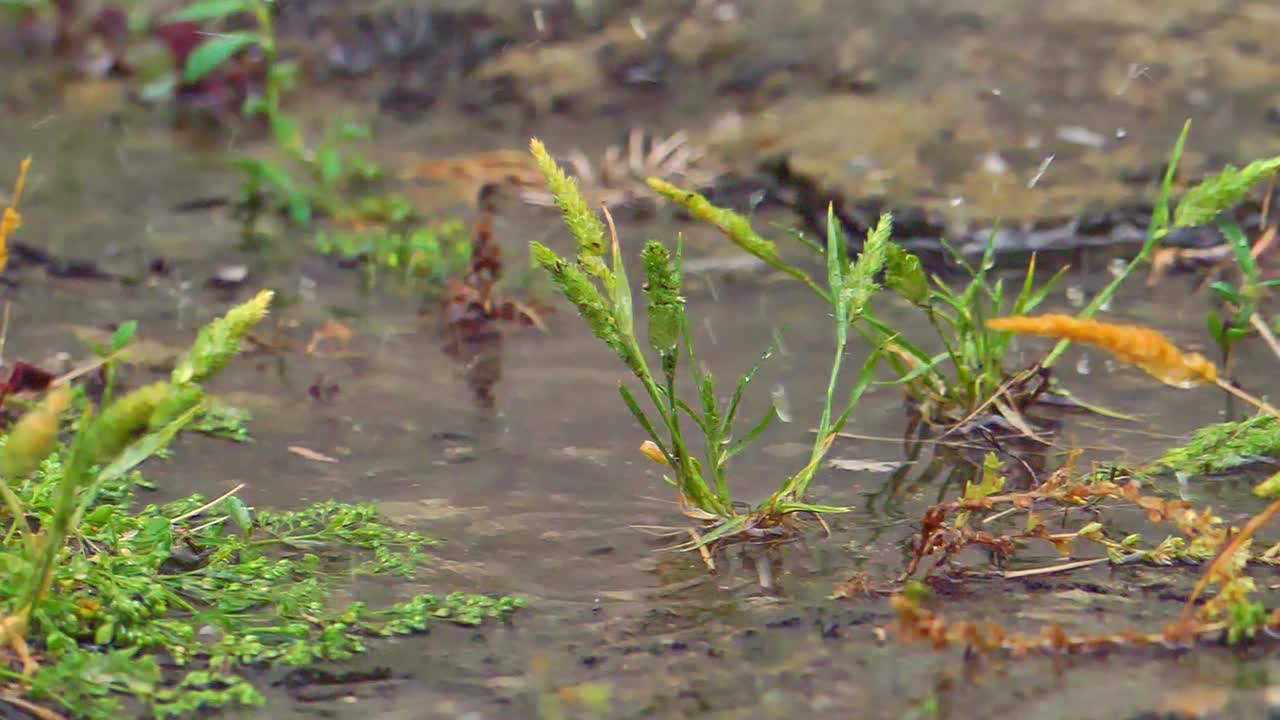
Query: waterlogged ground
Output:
(539,496)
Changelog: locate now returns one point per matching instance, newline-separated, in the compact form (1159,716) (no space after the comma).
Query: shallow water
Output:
(538,496)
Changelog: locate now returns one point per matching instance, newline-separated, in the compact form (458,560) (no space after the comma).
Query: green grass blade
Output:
(723,530)
(865,378)
(835,273)
(643,419)
(754,433)
(1243,250)
(1157,231)
(920,370)
(732,411)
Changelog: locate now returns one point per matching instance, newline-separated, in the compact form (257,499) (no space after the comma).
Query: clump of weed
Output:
(103,604)
(1225,446)
(968,381)
(952,387)
(595,282)
(1201,537)
(96,592)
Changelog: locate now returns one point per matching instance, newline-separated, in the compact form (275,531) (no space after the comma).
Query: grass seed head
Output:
(34,436)
(1139,346)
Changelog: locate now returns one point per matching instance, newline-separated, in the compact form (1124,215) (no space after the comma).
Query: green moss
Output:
(1225,446)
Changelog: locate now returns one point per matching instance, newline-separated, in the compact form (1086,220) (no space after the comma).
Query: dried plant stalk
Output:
(1140,346)
(10,221)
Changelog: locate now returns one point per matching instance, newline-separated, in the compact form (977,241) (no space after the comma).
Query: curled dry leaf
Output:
(330,340)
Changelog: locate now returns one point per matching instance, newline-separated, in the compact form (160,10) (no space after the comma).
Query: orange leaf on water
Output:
(1140,346)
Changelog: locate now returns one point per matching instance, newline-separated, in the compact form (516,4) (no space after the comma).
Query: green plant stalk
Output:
(735,227)
(682,461)
(1157,231)
(53,539)
(266,28)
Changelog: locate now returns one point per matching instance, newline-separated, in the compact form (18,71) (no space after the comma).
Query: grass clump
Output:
(951,387)
(595,281)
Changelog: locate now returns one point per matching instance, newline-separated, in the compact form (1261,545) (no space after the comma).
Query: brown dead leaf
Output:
(311,454)
(468,173)
(332,333)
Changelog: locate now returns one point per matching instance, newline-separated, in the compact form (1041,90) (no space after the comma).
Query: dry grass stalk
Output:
(1222,561)
(11,220)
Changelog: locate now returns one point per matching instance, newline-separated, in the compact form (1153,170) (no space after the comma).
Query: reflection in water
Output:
(480,354)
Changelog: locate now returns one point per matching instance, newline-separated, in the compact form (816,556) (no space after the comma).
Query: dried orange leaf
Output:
(1140,346)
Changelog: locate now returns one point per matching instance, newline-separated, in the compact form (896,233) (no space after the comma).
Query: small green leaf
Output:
(123,335)
(354,131)
(1225,292)
(1243,250)
(287,133)
(239,513)
(330,164)
(104,634)
(1215,327)
(210,10)
(284,74)
(754,433)
(216,51)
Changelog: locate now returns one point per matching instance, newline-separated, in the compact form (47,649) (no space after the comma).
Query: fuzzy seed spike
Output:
(219,341)
(1139,346)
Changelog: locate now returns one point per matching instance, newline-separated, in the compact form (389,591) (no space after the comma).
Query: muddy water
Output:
(540,495)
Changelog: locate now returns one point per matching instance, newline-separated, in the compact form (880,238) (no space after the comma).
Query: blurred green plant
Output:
(433,253)
(310,176)
(1209,203)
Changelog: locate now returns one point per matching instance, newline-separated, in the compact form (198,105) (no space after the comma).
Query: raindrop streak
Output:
(781,404)
(1044,165)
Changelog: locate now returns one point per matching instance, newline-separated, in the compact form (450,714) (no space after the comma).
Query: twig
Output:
(208,505)
(1227,552)
(86,369)
(1254,401)
(702,550)
(1261,326)
(1012,574)
(31,708)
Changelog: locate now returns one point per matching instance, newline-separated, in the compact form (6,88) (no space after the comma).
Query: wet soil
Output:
(540,495)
